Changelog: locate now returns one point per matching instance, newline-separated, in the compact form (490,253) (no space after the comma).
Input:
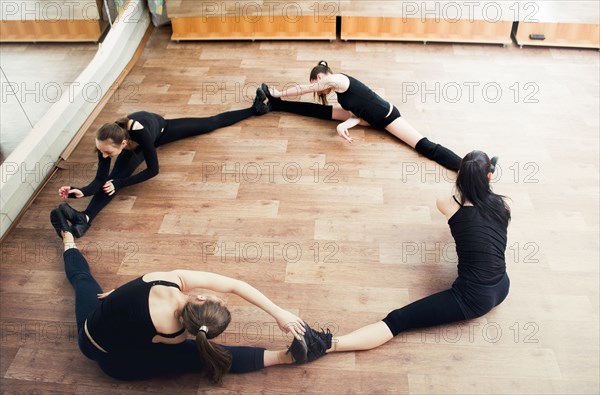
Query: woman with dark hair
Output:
(133,140)
(360,105)
(478,220)
(141,329)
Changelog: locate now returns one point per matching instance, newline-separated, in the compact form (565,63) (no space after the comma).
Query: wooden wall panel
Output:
(407,29)
(238,28)
(559,34)
(38,30)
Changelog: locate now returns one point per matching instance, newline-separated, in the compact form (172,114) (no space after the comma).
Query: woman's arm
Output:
(441,204)
(343,127)
(299,90)
(92,187)
(142,137)
(337,82)
(194,279)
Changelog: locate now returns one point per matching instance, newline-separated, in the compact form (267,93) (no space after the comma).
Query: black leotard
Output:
(150,359)
(482,281)
(480,246)
(122,320)
(366,104)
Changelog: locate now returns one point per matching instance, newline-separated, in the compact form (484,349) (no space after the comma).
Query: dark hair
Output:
(215,317)
(321,67)
(473,185)
(115,131)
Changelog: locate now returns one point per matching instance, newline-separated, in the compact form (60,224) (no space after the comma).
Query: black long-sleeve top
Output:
(146,138)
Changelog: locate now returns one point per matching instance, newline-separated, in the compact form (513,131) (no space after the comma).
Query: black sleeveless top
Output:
(363,102)
(122,320)
(480,245)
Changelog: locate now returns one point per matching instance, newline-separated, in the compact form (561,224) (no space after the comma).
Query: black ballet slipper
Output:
(260,107)
(59,222)
(299,351)
(317,342)
(79,230)
(265,89)
(76,217)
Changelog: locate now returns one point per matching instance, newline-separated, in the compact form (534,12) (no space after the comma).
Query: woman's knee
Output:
(395,322)
(79,276)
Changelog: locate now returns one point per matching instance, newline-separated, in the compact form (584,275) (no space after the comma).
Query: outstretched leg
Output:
(436,309)
(439,154)
(436,152)
(78,273)
(166,359)
(404,131)
(365,338)
(177,129)
(306,109)
(302,108)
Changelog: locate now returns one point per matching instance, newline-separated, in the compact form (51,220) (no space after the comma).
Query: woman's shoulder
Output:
(444,203)
(139,115)
(447,205)
(340,82)
(171,277)
(340,77)
(139,133)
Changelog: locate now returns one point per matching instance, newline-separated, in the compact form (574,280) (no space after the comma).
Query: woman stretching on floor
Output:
(132,140)
(360,105)
(140,329)
(478,220)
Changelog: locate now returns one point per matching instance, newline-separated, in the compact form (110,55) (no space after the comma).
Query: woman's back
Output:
(122,321)
(480,245)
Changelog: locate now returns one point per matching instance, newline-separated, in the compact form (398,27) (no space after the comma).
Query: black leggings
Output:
(464,301)
(313,110)
(175,129)
(181,128)
(154,360)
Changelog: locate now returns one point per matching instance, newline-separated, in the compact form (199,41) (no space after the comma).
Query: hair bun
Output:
(493,163)
(323,63)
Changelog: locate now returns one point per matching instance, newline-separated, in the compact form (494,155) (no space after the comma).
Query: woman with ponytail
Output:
(478,220)
(133,140)
(142,328)
(360,106)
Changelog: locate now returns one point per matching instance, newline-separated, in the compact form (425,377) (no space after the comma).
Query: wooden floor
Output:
(340,234)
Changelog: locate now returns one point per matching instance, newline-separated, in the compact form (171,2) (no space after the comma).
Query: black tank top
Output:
(363,102)
(480,246)
(122,320)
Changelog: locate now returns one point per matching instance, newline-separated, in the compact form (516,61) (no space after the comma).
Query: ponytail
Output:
(116,132)
(206,321)
(123,122)
(473,185)
(321,67)
(214,356)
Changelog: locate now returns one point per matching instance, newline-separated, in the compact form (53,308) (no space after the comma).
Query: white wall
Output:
(24,170)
